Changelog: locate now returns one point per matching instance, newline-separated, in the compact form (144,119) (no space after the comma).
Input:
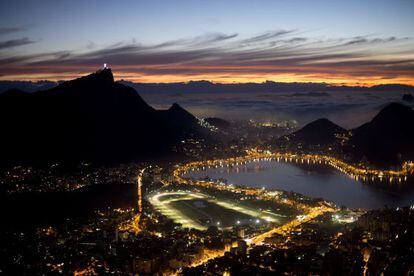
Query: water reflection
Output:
(316,180)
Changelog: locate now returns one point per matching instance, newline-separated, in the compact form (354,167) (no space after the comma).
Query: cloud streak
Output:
(9,30)
(267,35)
(277,55)
(15,43)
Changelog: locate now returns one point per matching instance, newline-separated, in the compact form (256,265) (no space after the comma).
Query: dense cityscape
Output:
(212,137)
(175,224)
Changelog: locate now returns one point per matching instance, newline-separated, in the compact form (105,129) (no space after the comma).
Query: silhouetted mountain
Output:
(179,117)
(218,123)
(90,118)
(388,139)
(321,132)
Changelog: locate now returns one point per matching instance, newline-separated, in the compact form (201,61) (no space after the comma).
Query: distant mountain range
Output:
(387,140)
(89,118)
(28,86)
(207,87)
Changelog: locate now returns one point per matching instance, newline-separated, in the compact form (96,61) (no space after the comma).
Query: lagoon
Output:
(315,180)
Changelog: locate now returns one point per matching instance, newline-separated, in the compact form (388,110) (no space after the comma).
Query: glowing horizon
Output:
(292,41)
(367,82)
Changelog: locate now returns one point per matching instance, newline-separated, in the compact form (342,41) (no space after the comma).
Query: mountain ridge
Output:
(385,141)
(320,133)
(388,138)
(89,118)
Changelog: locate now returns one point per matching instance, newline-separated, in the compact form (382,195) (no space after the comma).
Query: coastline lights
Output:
(350,170)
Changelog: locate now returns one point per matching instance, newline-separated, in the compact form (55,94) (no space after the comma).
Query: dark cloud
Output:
(366,40)
(15,42)
(267,36)
(9,30)
(296,39)
(201,41)
(213,38)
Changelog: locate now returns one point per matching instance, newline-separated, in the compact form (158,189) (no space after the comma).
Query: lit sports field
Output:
(199,211)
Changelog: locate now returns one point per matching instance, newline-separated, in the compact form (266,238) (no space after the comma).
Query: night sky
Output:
(352,42)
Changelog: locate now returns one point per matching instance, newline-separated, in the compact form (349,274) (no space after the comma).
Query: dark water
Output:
(316,181)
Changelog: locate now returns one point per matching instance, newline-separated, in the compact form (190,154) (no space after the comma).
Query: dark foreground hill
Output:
(90,118)
(388,139)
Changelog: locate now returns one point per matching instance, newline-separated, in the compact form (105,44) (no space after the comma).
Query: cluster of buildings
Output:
(379,243)
(54,178)
(318,238)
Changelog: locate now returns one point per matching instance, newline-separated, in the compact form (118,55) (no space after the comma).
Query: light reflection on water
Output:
(316,181)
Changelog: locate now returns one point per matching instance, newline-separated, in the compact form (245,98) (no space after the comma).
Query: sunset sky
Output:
(352,42)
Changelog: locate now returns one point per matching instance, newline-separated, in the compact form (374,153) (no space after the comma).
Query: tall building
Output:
(241,232)
(241,247)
